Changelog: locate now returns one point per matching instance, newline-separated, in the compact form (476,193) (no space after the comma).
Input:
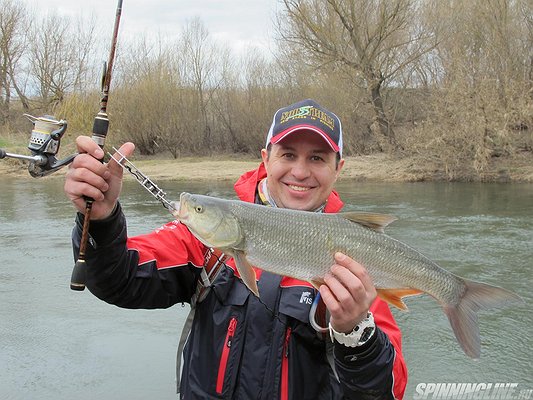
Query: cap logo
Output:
(308,112)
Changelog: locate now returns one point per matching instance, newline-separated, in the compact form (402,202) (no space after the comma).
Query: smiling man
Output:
(303,156)
(239,346)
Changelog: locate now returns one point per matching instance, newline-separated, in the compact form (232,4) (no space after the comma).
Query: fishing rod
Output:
(100,129)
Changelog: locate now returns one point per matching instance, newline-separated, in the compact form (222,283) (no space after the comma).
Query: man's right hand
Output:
(87,176)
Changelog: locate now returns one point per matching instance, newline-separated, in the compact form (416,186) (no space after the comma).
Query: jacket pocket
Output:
(226,350)
(213,351)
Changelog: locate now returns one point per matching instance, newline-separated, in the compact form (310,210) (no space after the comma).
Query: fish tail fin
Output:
(463,315)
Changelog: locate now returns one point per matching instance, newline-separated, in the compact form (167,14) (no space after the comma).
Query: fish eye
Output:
(199,209)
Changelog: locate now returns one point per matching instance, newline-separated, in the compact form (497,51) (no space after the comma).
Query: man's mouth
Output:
(298,188)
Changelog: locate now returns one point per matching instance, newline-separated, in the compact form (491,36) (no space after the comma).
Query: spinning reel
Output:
(44,146)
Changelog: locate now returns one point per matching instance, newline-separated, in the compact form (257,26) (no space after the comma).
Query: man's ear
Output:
(340,165)
(264,155)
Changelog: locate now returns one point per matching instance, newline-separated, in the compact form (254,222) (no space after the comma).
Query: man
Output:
(240,346)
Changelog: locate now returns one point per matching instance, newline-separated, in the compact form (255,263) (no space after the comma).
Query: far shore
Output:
(377,167)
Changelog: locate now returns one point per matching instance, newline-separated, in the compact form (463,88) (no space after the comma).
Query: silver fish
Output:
(302,245)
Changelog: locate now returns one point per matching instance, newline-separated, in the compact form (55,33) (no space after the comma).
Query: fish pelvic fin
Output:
(395,296)
(317,282)
(246,271)
(463,315)
(374,221)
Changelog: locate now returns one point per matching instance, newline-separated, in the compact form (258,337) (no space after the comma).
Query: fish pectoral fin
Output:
(373,221)
(395,296)
(246,272)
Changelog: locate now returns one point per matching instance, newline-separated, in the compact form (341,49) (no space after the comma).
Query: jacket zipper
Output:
(225,354)
(285,367)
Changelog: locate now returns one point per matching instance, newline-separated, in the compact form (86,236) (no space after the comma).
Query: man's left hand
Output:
(348,293)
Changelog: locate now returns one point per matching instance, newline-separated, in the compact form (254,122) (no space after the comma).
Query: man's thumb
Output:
(125,151)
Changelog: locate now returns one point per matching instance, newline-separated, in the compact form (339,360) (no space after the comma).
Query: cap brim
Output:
(282,135)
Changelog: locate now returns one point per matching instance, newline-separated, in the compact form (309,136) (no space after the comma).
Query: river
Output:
(59,344)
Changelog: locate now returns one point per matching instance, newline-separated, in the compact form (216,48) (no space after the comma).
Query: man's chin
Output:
(298,204)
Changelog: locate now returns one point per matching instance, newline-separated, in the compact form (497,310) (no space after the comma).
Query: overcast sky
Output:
(237,22)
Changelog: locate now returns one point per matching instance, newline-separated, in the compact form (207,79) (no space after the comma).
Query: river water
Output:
(59,344)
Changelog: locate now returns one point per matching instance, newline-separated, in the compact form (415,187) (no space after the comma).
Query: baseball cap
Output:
(310,116)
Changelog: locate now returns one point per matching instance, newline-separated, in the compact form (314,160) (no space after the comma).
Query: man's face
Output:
(301,171)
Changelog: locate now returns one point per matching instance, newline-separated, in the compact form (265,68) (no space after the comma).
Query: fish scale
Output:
(302,245)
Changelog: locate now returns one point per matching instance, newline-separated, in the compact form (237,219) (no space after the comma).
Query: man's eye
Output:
(317,158)
(288,155)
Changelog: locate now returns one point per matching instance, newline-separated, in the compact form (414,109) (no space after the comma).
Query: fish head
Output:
(210,220)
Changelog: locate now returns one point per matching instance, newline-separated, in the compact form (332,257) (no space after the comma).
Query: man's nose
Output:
(301,170)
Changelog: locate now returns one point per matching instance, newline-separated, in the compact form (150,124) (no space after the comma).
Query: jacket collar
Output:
(246,186)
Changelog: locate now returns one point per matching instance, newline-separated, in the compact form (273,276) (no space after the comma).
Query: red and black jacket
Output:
(241,347)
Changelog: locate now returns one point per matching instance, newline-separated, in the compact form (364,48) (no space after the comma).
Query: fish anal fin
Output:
(395,296)
(246,272)
(373,221)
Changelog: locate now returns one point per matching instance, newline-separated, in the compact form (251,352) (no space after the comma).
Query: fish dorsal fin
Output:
(373,221)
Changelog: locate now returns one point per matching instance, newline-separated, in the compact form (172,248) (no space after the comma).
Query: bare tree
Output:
(373,38)
(13,22)
(252,90)
(60,54)
(478,99)
(525,12)
(198,59)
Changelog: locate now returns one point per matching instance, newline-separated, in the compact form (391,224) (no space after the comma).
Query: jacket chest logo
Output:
(306,298)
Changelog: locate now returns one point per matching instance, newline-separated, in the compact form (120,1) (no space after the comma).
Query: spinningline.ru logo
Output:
(478,391)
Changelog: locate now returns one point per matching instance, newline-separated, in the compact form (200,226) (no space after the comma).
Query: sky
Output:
(239,23)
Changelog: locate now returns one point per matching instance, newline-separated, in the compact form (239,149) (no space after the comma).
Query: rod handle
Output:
(79,276)
(79,272)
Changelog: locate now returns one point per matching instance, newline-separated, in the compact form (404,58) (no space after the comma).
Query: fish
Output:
(302,245)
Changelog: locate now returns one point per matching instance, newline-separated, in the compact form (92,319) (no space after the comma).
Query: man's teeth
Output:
(299,188)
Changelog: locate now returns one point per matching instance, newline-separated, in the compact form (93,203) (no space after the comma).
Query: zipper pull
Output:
(231,330)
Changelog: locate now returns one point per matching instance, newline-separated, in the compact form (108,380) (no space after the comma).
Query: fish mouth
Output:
(181,210)
(176,209)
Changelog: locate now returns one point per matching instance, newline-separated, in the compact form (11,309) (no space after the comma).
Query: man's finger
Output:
(86,145)
(337,288)
(355,268)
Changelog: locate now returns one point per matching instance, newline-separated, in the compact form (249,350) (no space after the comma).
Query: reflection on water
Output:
(55,342)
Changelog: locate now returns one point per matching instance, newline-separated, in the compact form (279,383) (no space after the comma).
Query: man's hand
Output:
(348,293)
(87,176)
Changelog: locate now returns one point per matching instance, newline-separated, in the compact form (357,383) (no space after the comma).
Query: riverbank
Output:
(377,167)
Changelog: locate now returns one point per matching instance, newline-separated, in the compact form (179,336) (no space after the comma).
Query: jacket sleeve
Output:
(155,270)
(377,369)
